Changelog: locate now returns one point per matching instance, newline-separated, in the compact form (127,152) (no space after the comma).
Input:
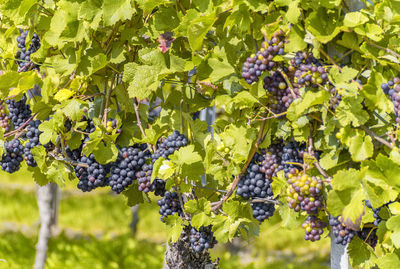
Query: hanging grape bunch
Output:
(169,205)
(33,135)
(281,94)
(169,145)
(130,161)
(256,185)
(202,239)
(305,193)
(4,119)
(308,71)
(392,88)
(336,97)
(92,176)
(12,158)
(19,111)
(343,235)
(314,228)
(264,58)
(292,157)
(24,55)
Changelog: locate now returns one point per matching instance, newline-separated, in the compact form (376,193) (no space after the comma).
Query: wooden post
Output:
(135,219)
(48,198)
(339,256)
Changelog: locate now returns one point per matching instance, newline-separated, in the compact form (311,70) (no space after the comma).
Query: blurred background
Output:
(94,231)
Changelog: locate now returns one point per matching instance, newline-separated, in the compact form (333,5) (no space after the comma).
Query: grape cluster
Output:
(292,153)
(262,211)
(12,158)
(19,111)
(335,98)
(392,88)
(264,58)
(308,71)
(343,235)
(33,136)
(93,176)
(376,211)
(111,125)
(4,119)
(272,162)
(314,228)
(170,145)
(158,187)
(144,178)
(256,184)
(202,239)
(281,95)
(169,205)
(130,161)
(24,55)
(305,193)
(369,236)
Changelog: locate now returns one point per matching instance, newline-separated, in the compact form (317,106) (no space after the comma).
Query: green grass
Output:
(122,251)
(102,221)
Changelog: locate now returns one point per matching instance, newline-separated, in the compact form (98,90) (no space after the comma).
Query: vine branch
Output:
(377,137)
(237,178)
(21,127)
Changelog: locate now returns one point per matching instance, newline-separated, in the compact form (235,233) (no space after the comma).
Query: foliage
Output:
(105,59)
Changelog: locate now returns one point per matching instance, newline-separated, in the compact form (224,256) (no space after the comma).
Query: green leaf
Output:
(342,76)
(200,211)
(8,80)
(295,40)
(18,10)
(326,29)
(361,147)
(360,253)
(189,162)
(149,5)
(353,19)
(105,153)
(144,82)
(116,10)
(297,108)
(74,109)
(389,261)
(293,12)
(198,29)
(220,69)
(175,227)
(133,195)
(63,94)
(350,110)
